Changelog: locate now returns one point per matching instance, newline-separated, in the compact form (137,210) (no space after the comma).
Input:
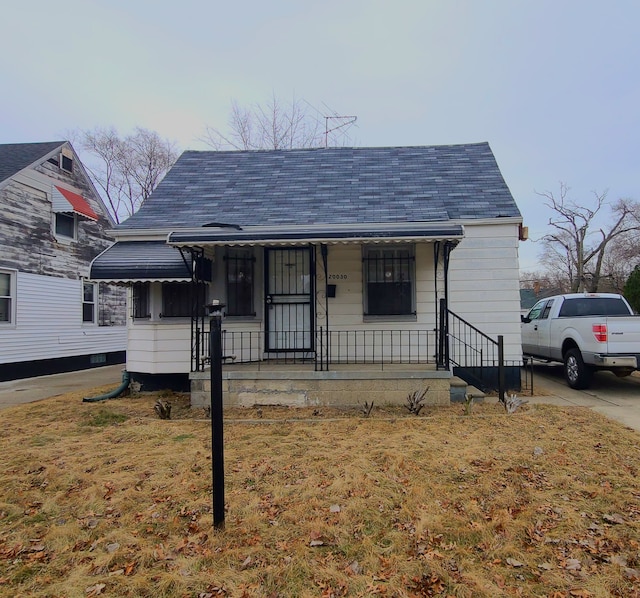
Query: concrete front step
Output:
(459,390)
(311,388)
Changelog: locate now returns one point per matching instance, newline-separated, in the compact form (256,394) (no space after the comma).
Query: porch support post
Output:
(324,251)
(446,254)
(436,307)
(442,361)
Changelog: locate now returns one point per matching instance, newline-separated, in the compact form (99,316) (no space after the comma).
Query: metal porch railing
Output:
(476,357)
(380,347)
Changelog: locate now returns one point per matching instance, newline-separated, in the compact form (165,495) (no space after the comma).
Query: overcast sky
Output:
(553,86)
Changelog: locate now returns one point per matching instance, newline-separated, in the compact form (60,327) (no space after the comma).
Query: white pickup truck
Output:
(586,332)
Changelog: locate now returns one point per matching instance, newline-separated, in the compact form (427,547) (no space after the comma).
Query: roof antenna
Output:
(346,121)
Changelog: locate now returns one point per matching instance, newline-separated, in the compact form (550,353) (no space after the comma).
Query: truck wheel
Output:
(577,374)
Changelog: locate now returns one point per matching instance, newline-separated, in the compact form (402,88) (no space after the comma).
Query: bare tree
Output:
(547,282)
(126,169)
(274,125)
(578,246)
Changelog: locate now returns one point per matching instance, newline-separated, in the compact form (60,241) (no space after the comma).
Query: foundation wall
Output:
(338,389)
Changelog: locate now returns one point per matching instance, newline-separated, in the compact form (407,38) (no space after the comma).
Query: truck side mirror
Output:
(525,319)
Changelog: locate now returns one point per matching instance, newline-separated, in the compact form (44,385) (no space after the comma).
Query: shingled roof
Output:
(328,186)
(16,156)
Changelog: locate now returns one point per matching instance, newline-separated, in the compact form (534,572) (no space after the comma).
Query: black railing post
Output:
(217,443)
(501,371)
(442,359)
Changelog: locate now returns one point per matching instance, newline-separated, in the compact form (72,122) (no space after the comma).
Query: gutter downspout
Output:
(114,393)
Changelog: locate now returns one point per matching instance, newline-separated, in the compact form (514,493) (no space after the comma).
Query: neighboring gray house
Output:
(52,224)
(386,258)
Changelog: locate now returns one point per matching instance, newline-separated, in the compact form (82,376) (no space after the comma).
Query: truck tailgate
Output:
(623,334)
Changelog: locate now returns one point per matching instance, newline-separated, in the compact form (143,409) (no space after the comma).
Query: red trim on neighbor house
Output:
(78,203)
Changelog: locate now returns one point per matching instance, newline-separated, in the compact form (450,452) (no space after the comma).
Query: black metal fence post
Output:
(217,443)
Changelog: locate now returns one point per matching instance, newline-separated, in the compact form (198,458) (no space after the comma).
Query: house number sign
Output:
(338,277)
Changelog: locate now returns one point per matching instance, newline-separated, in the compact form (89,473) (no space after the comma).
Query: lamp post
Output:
(217,444)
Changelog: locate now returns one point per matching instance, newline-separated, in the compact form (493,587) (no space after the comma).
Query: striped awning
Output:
(141,261)
(409,232)
(64,200)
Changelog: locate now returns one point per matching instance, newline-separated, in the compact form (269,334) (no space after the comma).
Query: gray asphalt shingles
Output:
(329,186)
(16,156)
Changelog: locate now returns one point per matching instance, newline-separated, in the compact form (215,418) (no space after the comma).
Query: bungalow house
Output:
(52,224)
(342,271)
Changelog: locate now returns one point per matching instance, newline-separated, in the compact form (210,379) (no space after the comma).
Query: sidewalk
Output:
(27,390)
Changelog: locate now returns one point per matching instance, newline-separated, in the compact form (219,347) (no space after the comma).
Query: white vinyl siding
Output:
(483,289)
(156,348)
(48,323)
(484,283)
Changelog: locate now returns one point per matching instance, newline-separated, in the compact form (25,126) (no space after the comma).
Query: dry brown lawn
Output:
(105,499)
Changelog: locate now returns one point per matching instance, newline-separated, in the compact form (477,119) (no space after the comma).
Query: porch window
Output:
(89,296)
(140,300)
(176,300)
(389,280)
(240,273)
(7,296)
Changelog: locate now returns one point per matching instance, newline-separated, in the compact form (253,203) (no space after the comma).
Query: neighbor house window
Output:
(389,276)
(141,300)
(65,225)
(7,296)
(89,301)
(176,299)
(240,272)
(66,163)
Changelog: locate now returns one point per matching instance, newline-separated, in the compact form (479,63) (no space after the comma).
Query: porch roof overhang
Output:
(410,232)
(140,261)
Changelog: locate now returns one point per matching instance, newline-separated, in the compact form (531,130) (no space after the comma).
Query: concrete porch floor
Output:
(299,385)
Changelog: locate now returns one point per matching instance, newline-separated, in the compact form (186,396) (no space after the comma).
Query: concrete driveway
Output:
(17,392)
(617,398)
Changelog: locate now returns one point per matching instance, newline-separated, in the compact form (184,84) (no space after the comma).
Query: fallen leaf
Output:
(354,568)
(632,574)
(95,590)
(246,563)
(572,565)
(615,518)
(514,563)
(618,559)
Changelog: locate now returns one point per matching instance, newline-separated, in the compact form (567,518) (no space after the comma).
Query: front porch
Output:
(349,367)
(299,384)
